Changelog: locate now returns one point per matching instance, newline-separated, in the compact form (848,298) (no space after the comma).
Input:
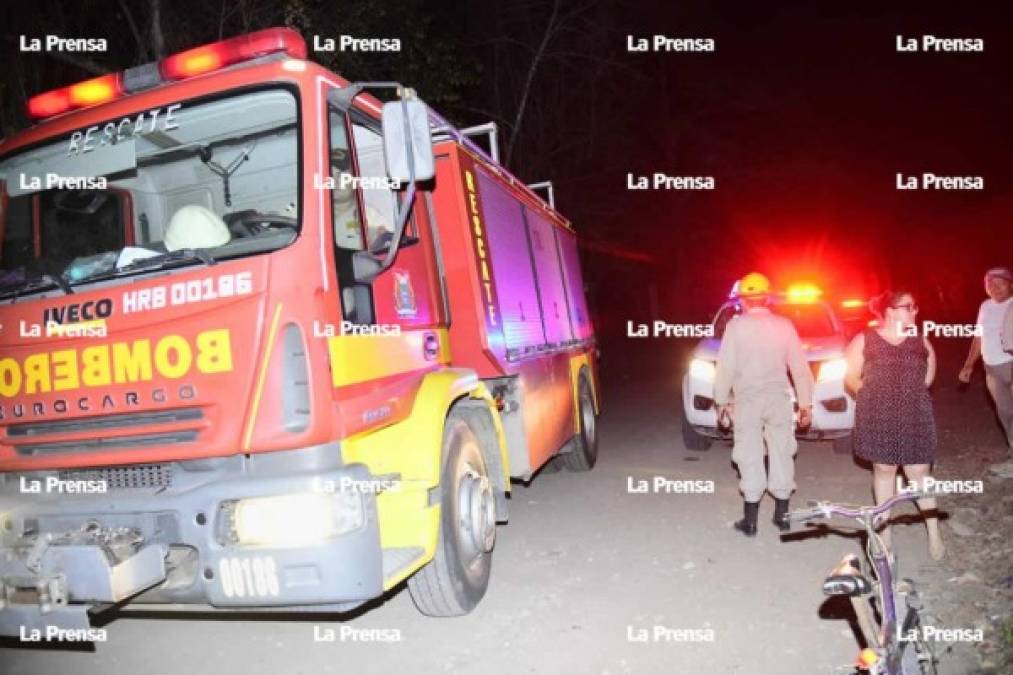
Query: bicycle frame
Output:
(885,642)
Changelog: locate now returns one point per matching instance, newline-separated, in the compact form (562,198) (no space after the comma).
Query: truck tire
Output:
(455,580)
(554,465)
(585,447)
(844,445)
(692,439)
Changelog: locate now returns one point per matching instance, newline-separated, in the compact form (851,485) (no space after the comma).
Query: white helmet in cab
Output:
(194,226)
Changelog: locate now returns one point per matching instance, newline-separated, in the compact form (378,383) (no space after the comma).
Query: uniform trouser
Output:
(999,380)
(769,417)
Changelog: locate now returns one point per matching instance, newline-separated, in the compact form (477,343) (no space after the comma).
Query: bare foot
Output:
(936,549)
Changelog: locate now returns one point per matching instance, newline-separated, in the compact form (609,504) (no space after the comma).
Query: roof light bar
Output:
(98,90)
(804,293)
(217,55)
(80,95)
(181,66)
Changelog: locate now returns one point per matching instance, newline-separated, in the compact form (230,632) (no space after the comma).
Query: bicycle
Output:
(889,650)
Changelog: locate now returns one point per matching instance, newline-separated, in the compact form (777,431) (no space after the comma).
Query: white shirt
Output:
(990,318)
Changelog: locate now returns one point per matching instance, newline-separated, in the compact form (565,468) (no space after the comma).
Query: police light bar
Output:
(851,303)
(180,66)
(804,293)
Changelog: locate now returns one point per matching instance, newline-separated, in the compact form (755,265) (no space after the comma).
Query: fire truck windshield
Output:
(218,177)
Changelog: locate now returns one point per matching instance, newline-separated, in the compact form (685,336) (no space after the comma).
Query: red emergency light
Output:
(234,50)
(180,66)
(801,293)
(80,95)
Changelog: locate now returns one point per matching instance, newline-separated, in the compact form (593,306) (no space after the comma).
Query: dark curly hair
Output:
(886,299)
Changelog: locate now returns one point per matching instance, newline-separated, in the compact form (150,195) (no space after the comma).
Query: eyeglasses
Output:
(909,306)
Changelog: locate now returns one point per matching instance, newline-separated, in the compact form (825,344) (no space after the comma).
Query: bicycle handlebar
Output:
(828,509)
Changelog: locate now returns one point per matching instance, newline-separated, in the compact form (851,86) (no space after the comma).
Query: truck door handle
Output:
(431,346)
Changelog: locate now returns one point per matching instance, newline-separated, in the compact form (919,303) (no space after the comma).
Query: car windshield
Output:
(186,183)
(812,320)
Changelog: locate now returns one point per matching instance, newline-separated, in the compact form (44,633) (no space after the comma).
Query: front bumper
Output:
(61,555)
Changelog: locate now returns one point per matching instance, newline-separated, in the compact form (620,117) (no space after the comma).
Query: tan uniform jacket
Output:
(757,351)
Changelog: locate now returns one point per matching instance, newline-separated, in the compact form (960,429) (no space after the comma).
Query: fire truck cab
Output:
(267,343)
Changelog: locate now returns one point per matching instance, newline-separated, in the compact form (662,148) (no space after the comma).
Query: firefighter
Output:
(757,351)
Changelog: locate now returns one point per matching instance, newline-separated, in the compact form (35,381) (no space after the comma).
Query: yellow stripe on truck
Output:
(261,378)
(577,363)
(364,358)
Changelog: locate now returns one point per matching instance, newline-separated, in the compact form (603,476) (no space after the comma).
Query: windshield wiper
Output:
(34,284)
(155,262)
(181,255)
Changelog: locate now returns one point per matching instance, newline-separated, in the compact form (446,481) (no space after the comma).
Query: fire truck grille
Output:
(100,444)
(104,422)
(125,477)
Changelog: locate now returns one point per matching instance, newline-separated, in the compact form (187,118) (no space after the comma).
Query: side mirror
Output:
(407,141)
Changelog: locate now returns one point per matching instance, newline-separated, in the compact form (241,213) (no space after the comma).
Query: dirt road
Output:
(590,576)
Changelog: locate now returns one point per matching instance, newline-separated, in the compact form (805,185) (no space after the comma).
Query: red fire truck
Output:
(268,343)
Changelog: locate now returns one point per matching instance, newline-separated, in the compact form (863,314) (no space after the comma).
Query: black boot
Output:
(747,526)
(781,514)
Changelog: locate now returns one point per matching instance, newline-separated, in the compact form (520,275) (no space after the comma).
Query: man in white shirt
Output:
(998,362)
(1007,331)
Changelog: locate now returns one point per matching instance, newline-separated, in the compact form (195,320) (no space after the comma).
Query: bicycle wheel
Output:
(916,656)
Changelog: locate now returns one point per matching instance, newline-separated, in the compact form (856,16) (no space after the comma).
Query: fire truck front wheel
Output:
(455,580)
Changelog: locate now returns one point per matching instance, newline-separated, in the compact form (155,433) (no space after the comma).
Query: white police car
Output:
(823,340)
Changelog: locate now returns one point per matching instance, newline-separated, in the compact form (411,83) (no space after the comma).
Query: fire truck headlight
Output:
(702,370)
(295,520)
(833,369)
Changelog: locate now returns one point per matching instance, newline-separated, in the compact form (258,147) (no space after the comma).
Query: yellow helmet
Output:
(754,283)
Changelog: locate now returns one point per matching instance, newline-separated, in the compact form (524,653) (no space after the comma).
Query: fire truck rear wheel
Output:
(455,580)
(585,451)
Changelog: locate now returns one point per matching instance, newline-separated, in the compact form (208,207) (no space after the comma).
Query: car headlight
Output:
(294,520)
(702,370)
(834,369)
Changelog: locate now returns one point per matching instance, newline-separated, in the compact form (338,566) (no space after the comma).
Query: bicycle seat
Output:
(846,579)
(846,584)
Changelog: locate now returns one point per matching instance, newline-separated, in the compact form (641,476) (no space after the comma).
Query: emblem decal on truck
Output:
(404,295)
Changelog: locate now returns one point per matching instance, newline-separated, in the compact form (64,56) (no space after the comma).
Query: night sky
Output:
(803,115)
